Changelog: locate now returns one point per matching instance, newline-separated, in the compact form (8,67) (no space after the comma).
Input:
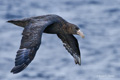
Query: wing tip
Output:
(77,59)
(12,71)
(22,60)
(77,62)
(18,69)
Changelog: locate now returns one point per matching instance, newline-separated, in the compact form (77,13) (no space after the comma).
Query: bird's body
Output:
(32,33)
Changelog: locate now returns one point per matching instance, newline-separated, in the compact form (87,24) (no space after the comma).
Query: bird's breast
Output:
(53,29)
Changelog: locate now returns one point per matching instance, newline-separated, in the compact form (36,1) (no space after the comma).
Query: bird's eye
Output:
(76,28)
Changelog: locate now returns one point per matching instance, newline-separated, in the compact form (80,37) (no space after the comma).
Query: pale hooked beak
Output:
(80,33)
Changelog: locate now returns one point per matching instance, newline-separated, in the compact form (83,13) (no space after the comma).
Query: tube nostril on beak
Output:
(80,33)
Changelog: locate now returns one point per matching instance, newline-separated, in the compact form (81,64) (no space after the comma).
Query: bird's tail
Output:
(21,23)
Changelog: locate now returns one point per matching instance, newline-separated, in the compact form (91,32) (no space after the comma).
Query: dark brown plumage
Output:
(32,33)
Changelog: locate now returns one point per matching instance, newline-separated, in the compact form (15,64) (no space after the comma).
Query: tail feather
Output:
(21,23)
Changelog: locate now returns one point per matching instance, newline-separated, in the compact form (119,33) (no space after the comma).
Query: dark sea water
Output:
(100,50)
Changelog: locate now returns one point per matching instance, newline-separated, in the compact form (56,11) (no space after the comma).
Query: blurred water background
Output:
(100,50)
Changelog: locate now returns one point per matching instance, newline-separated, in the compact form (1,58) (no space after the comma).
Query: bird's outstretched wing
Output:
(30,43)
(71,44)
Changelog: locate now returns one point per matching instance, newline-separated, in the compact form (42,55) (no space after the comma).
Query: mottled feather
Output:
(71,44)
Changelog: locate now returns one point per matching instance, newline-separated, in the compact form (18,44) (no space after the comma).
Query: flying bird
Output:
(32,33)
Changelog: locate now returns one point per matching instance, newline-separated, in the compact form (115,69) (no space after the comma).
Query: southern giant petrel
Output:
(32,33)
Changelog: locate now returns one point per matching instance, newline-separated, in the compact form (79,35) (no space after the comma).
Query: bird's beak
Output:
(80,33)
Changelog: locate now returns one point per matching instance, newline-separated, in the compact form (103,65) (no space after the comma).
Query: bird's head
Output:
(76,30)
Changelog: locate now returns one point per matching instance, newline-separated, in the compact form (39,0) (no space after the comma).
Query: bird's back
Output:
(24,22)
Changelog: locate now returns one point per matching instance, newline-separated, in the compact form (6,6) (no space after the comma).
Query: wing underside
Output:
(71,45)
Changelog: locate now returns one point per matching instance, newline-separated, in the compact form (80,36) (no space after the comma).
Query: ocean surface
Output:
(100,49)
